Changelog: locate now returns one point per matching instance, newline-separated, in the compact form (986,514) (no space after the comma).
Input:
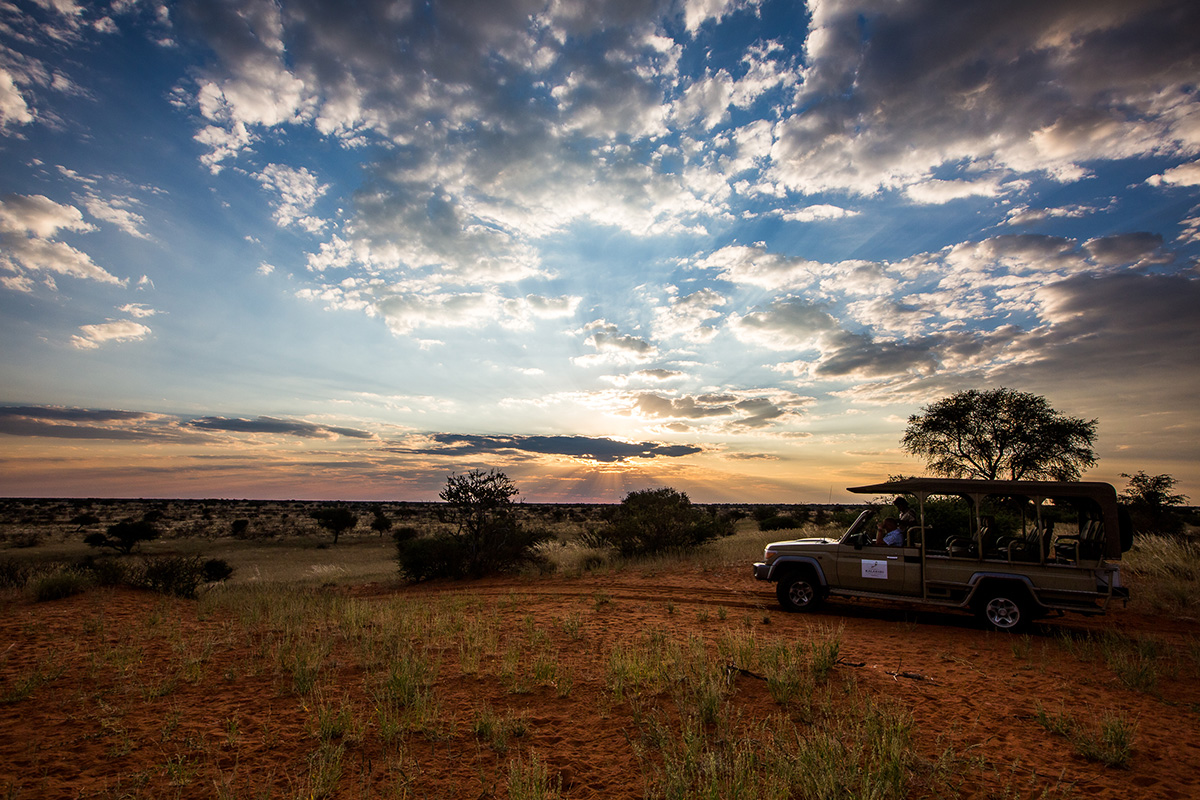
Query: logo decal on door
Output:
(874,569)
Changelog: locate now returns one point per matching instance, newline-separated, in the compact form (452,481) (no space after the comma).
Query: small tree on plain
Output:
(1151,503)
(487,537)
(1000,434)
(123,536)
(381,524)
(656,520)
(336,520)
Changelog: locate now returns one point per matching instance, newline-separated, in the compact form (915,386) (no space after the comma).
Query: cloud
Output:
(1182,175)
(613,347)
(731,411)
(759,267)
(122,330)
(892,93)
(583,447)
(117,210)
(13,108)
(276,426)
(27,223)
(936,192)
(298,191)
(814,213)
(58,422)
(688,317)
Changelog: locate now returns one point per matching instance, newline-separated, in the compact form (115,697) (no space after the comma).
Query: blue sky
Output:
(329,250)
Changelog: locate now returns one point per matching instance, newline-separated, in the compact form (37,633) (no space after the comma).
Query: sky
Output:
(341,250)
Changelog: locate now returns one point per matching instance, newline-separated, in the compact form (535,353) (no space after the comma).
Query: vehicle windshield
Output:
(859,525)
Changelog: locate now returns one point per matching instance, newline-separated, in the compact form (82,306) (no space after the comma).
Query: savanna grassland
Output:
(314,671)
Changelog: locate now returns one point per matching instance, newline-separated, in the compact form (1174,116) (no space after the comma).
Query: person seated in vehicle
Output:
(888,533)
(904,515)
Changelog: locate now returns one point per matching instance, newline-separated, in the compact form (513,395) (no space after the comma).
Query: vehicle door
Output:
(868,567)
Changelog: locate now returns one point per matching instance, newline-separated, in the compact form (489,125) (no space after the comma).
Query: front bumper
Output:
(762,571)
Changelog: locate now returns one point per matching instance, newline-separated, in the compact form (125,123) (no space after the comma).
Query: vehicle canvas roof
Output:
(1103,494)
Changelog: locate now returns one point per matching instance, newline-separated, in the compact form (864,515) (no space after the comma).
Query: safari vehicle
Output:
(1010,551)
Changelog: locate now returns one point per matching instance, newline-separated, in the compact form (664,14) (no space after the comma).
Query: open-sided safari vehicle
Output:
(1010,551)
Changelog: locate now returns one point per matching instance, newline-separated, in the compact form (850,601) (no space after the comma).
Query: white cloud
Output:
(688,317)
(137,310)
(27,222)
(1182,175)
(297,192)
(813,213)
(112,331)
(117,210)
(759,267)
(936,192)
(13,108)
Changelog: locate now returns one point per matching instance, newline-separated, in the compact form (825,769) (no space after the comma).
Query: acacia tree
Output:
(1000,434)
(336,520)
(487,537)
(1151,501)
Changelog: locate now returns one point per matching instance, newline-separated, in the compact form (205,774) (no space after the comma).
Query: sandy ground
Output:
(116,693)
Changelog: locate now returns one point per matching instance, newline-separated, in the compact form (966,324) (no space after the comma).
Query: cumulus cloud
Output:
(297,192)
(27,225)
(614,347)
(814,213)
(689,317)
(121,330)
(1183,175)
(1032,87)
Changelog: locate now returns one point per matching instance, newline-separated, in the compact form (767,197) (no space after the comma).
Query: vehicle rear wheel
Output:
(1005,610)
(798,591)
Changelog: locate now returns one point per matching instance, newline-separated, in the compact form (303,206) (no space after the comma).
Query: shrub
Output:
(58,585)
(13,573)
(177,575)
(124,536)
(779,523)
(216,569)
(238,527)
(110,571)
(655,520)
(437,556)
(487,535)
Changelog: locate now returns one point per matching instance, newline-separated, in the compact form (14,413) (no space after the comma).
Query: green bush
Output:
(779,522)
(657,520)
(111,571)
(177,575)
(487,537)
(124,536)
(58,585)
(13,573)
(439,556)
(216,569)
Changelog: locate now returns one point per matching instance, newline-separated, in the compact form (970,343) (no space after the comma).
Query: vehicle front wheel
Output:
(1005,611)
(798,592)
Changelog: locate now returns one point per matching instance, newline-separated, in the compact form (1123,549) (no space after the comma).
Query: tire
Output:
(799,591)
(1005,610)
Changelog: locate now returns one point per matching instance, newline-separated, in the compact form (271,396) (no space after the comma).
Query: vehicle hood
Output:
(805,542)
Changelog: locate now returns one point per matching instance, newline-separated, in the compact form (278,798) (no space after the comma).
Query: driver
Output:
(888,533)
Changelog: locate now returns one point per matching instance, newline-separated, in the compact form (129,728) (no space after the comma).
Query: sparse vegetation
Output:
(653,521)
(486,537)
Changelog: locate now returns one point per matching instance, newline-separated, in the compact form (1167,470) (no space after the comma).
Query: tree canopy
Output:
(1000,434)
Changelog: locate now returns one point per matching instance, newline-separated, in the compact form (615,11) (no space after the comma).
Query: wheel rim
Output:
(801,593)
(1003,613)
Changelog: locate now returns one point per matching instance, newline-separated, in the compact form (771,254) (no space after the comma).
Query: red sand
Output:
(114,710)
